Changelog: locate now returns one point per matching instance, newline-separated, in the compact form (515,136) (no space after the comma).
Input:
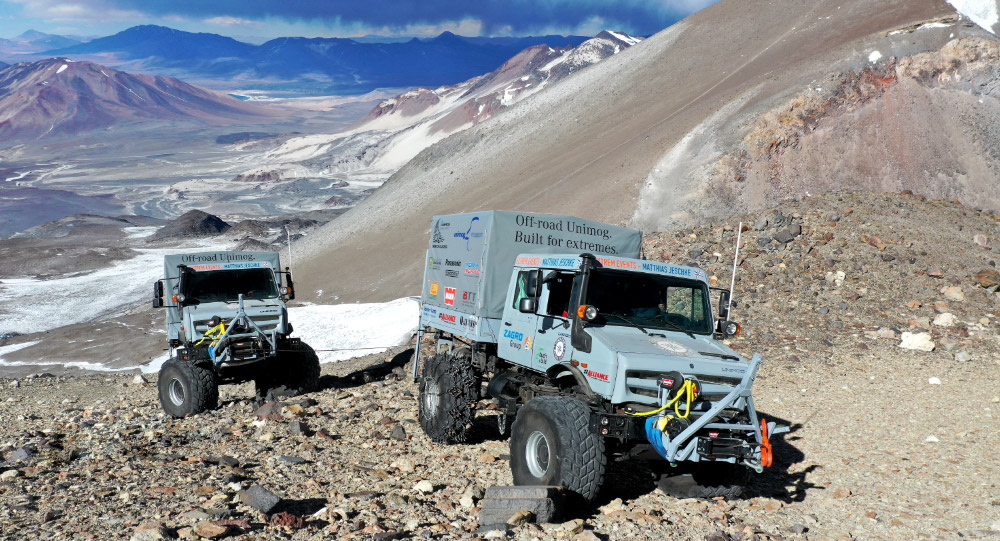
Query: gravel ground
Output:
(886,442)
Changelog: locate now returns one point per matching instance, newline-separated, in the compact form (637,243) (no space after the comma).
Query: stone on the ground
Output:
(424,486)
(953,293)
(987,278)
(920,341)
(259,498)
(151,531)
(210,530)
(946,319)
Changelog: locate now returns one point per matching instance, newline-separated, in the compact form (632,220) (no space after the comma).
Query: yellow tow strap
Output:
(217,330)
(688,390)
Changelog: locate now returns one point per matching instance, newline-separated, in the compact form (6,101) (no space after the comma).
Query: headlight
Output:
(587,312)
(730,328)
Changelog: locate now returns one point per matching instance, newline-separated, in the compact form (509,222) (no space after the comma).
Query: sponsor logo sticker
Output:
(449,296)
(597,375)
(448,318)
(527,343)
(452,263)
(559,349)
(472,268)
(513,335)
(433,292)
(468,234)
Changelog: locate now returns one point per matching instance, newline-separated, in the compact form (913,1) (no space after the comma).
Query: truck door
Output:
(552,344)
(518,328)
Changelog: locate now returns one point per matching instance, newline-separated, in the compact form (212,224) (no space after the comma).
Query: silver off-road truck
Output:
(227,323)
(591,354)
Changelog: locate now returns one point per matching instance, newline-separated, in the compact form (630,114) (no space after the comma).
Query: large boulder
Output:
(191,224)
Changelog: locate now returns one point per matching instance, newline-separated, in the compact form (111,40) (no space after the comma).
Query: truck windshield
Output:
(227,285)
(650,301)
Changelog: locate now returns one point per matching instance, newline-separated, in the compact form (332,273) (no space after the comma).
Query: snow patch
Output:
(982,12)
(873,58)
(61,69)
(624,37)
(12,348)
(350,330)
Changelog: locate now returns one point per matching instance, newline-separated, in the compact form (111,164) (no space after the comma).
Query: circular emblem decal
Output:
(671,347)
(559,349)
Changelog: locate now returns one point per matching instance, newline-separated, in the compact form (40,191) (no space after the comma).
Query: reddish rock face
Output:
(61,97)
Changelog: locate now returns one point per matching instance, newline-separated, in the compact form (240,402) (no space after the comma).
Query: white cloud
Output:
(229,21)
(60,11)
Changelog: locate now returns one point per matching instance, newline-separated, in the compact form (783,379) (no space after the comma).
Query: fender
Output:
(560,369)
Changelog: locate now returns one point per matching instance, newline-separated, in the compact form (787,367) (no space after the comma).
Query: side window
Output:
(521,288)
(697,306)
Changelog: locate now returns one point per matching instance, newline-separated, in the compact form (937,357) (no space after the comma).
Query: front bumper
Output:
(706,435)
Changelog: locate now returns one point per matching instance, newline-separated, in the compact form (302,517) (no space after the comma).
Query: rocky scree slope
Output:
(826,286)
(925,122)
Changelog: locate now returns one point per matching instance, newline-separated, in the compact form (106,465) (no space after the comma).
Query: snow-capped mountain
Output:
(397,129)
(61,97)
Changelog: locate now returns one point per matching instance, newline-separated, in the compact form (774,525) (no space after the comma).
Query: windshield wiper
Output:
(720,355)
(627,320)
(678,328)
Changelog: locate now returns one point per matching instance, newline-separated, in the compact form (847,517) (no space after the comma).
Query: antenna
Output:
(736,257)
(289,236)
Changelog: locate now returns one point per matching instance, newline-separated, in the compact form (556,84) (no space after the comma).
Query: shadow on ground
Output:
(393,368)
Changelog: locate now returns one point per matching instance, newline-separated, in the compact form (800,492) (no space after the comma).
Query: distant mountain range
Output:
(62,97)
(324,65)
(32,42)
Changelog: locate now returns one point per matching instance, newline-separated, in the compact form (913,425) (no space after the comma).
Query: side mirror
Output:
(289,286)
(527,305)
(534,281)
(158,294)
(723,304)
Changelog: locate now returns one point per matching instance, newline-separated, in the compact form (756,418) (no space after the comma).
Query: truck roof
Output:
(572,262)
(219,260)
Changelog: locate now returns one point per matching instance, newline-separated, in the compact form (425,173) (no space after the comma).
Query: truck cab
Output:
(227,322)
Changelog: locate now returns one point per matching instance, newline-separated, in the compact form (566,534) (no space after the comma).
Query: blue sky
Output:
(264,19)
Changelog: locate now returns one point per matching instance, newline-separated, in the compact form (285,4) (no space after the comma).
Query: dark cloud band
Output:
(643,17)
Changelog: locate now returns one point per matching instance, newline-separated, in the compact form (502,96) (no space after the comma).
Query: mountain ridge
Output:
(62,97)
(340,65)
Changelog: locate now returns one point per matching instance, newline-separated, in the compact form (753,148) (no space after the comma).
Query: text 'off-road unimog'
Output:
(227,323)
(591,353)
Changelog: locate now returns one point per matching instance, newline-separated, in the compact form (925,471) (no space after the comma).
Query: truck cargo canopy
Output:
(471,256)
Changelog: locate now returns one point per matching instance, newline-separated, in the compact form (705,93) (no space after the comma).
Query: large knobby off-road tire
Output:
(296,368)
(186,388)
(449,390)
(551,443)
(706,480)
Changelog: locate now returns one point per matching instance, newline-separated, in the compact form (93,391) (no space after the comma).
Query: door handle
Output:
(507,323)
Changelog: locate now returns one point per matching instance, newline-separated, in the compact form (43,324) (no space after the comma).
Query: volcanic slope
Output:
(397,129)
(61,97)
(645,125)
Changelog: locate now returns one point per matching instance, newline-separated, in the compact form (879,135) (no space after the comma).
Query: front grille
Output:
(714,388)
